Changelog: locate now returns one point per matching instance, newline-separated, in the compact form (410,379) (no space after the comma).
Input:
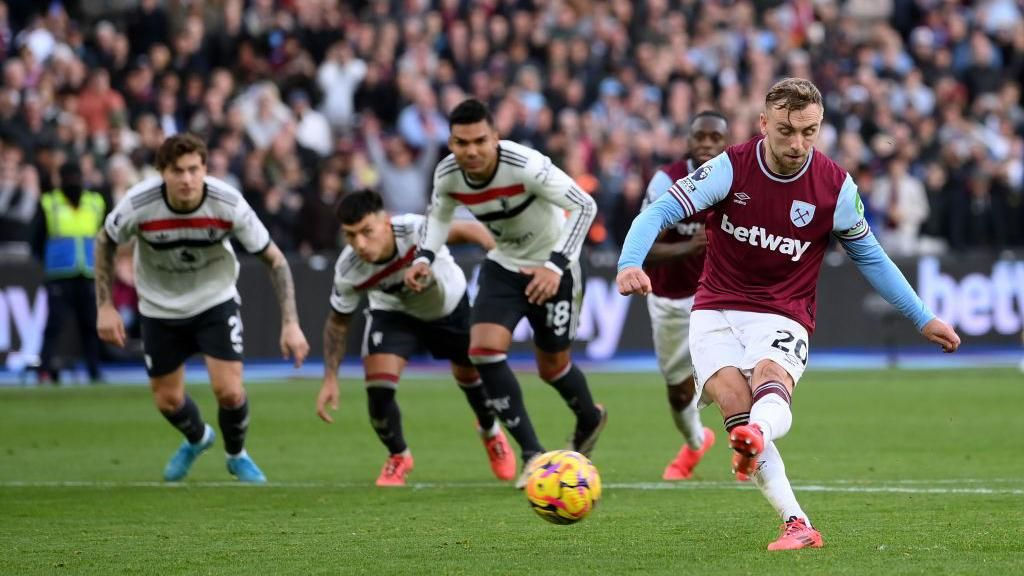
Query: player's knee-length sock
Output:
(771,410)
(688,422)
(234,423)
(572,387)
(770,477)
(385,417)
(187,419)
(506,398)
(476,396)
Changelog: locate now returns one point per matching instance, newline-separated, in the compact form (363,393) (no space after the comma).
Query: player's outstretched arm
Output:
(293,341)
(890,283)
(109,324)
(463,232)
(335,336)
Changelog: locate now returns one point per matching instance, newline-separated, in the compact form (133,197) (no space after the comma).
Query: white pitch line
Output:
(837,486)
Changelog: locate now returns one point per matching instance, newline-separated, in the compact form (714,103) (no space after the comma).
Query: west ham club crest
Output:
(801,213)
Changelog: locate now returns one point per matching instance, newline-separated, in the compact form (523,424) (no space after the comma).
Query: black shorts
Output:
(501,299)
(216,332)
(447,338)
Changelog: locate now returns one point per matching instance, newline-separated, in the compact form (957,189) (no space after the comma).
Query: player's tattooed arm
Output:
(335,337)
(281,278)
(293,341)
(104,268)
(109,324)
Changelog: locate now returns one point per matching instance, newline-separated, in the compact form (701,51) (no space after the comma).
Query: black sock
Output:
(187,419)
(476,395)
(572,387)
(506,398)
(738,419)
(386,418)
(234,422)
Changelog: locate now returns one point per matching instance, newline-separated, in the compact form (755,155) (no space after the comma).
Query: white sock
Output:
(239,455)
(772,413)
(770,477)
(207,432)
(688,422)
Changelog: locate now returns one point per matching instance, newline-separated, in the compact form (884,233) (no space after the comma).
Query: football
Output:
(563,487)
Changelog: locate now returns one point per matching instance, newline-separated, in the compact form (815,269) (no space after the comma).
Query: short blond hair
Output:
(793,94)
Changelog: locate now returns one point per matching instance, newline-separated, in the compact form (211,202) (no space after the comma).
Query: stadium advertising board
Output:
(982,297)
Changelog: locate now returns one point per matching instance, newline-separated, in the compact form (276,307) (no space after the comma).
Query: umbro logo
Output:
(741,198)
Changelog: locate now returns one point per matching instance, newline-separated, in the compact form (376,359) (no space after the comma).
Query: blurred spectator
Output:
(19,196)
(318,225)
(338,77)
(901,199)
(312,131)
(404,179)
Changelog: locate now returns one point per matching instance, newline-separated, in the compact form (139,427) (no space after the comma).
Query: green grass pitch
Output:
(903,473)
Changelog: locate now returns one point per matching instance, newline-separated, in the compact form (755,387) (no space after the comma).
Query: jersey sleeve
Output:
(248,228)
(552,184)
(887,279)
(848,222)
(705,187)
(656,188)
(344,297)
(122,222)
(438,220)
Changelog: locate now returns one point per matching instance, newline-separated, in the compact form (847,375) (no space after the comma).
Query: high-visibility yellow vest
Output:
(71,233)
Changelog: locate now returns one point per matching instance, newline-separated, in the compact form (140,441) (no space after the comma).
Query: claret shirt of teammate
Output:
(383,281)
(676,278)
(184,262)
(535,211)
(768,233)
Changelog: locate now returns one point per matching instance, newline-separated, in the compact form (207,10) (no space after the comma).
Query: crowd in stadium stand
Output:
(302,100)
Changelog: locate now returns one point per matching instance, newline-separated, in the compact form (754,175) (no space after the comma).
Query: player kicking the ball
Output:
(185,273)
(774,202)
(400,323)
(539,218)
(674,265)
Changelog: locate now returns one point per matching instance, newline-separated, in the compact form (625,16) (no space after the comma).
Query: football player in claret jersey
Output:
(185,273)
(674,264)
(774,204)
(539,218)
(401,323)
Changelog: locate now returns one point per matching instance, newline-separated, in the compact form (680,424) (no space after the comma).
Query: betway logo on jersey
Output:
(757,236)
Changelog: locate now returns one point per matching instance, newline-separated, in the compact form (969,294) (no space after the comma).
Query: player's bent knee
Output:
(769,370)
(553,365)
(484,355)
(465,375)
(680,395)
(230,397)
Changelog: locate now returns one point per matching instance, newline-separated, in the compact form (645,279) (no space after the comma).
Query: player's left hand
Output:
(942,334)
(542,286)
(293,343)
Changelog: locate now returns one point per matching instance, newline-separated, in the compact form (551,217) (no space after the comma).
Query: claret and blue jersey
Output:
(768,234)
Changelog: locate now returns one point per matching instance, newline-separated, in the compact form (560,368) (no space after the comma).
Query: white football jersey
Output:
(524,205)
(184,262)
(384,282)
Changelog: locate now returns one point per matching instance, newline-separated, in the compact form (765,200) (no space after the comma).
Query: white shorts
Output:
(720,338)
(670,327)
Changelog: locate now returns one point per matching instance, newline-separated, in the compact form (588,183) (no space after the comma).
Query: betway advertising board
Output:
(982,297)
